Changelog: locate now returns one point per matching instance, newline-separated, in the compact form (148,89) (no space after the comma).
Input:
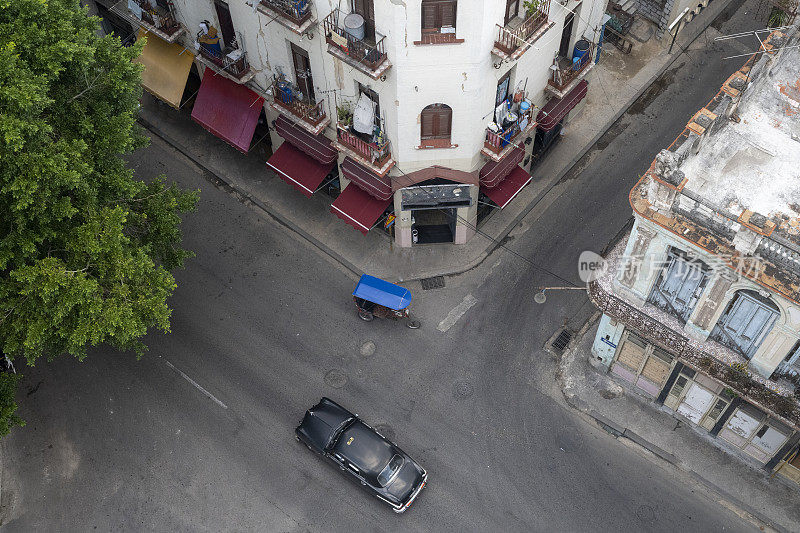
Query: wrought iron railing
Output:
(157,17)
(497,141)
(376,154)
(237,68)
(371,55)
(297,11)
(509,40)
(562,77)
(288,97)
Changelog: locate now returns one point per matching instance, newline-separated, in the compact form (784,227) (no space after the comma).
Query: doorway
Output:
(366,8)
(746,322)
(302,73)
(566,36)
(502,89)
(226,24)
(434,226)
(512,8)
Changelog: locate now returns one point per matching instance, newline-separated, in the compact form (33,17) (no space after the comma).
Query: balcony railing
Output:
(370,55)
(289,98)
(498,140)
(510,40)
(296,11)
(150,16)
(562,77)
(232,61)
(376,154)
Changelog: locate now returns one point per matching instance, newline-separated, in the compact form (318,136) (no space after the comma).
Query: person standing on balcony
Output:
(208,37)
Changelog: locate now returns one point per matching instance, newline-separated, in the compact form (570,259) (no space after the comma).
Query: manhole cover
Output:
(562,340)
(436,282)
(367,349)
(335,378)
(462,389)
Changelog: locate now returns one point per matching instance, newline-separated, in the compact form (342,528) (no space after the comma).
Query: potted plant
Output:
(531,6)
(344,114)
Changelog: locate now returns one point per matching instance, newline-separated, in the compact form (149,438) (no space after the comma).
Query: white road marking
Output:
(456,313)
(196,385)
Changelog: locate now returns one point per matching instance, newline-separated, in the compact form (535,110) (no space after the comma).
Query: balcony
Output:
(565,78)
(293,14)
(231,62)
(367,56)
(500,140)
(374,155)
(288,100)
(151,17)
(514,40)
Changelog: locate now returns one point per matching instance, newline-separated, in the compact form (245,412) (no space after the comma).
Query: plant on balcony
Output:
(344,113)
(532,6)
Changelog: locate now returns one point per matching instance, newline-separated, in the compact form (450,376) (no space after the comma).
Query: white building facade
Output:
(429,142)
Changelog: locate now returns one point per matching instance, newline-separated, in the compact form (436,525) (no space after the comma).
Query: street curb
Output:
(255,201)
(618,432)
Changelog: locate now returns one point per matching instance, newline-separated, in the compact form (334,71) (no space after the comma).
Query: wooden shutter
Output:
(444,119)
(447,13)
(429,16)
(428,123)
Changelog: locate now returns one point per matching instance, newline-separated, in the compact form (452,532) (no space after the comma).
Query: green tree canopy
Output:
(85,249)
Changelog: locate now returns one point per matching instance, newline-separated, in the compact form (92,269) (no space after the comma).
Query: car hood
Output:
(407,479)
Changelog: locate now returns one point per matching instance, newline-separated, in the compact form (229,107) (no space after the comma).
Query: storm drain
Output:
(436,282)
(561,341)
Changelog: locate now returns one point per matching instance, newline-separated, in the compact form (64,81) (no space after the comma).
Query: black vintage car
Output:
(368,457)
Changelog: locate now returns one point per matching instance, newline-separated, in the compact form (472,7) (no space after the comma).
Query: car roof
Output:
(322,420)
(363,447)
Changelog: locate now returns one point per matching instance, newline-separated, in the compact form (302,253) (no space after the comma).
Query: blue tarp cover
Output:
(382,292)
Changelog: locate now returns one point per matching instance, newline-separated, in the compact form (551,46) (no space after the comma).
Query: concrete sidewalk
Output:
(616,82)
(728,477)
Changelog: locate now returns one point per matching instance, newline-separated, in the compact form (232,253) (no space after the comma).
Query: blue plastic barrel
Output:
(581,49)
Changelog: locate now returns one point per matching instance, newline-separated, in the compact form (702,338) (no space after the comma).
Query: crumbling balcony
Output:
(375,155)
(368,56)
(296,15)
(501,138)
(289,101)
(151,17)
(231,62)
(565,78)
(513,40)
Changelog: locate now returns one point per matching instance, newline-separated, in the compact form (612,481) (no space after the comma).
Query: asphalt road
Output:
(198,433)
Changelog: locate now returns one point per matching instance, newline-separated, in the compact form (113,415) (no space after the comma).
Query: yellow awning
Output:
(166,67)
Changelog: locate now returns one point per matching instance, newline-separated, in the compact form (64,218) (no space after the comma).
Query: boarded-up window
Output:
(746,322)
(437,14)
(435,124)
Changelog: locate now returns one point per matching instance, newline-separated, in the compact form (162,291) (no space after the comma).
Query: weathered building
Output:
(384,102)
(701,305)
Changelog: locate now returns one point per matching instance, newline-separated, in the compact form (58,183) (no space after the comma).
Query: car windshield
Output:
(390,470)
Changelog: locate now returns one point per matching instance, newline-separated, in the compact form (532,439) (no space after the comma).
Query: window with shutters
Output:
(435,126)
(438,21)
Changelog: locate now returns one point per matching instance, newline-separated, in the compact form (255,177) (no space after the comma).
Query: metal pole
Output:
(676,22)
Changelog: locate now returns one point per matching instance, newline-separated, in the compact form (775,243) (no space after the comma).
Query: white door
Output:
(743,424)
(696,403)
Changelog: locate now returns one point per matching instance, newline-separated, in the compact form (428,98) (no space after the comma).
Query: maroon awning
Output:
(298,169)
(359,208)
(557,108)
(509,188)
(317,146)
(368,181)
(228,110)
(494,172)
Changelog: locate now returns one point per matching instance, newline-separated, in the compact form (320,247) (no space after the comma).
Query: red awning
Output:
(317,146)
(228,110)
(557,108)
(494,172)
(377,186)
(358,208)
(509,188)
(297,169)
